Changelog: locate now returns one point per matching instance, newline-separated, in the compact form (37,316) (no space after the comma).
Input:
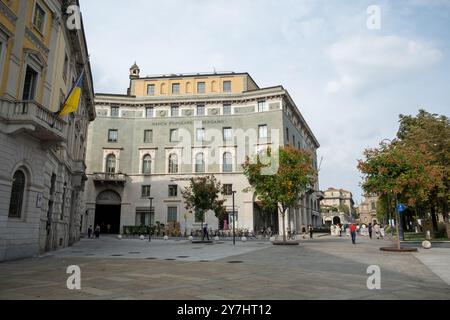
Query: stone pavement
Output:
(323,268)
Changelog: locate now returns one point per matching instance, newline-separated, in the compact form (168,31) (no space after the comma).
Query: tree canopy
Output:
(282,188)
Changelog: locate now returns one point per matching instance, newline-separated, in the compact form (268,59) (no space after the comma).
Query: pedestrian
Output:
(205,232)
(304,231)
(370,230)
(311,231)
(97,232)
(353,233)
(382,232)
(376,228)
(108,227)
(90,232)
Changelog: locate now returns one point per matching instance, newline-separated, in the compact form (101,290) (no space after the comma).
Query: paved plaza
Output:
(323,268)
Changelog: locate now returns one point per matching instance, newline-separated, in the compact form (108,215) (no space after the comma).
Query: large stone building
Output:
(168,129)
(367,210)
(337,206)
(42,168)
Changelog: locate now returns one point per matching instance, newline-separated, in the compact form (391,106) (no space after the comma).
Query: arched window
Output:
(111,163)
(173,163)
(227,162)
(17,192)
(147,164)
(200,163)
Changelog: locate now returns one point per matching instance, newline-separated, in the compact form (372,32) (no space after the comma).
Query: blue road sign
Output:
(401,207)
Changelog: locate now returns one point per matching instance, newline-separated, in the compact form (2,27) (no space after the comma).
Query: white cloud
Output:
(363,62)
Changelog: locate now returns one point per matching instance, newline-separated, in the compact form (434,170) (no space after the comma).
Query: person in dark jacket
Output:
(311,231)
(370,230)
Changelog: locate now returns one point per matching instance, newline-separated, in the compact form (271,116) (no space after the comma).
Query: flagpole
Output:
(56,114)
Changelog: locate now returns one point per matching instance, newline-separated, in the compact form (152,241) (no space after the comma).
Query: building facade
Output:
(42,167)
(367,210)
(168,129)
(337,206)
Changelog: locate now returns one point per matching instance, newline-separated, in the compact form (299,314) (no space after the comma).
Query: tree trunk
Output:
(283,214)
(434,217)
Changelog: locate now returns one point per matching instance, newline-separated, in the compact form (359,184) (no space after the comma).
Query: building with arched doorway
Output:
(168,129)
(42,157)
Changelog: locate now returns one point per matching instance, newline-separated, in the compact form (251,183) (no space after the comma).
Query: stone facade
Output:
(332,204)
(368,210)
(42,169)
(134,165)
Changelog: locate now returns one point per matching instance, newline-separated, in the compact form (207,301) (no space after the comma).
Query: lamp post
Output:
(234,221)
(150,230)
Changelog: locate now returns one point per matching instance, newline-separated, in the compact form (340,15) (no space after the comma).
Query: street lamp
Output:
(150,229)
(234,221)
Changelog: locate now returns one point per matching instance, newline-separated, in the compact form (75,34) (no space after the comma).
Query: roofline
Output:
(303,119)
(206,74)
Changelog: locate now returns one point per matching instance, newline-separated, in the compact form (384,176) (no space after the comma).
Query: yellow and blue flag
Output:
(73,100)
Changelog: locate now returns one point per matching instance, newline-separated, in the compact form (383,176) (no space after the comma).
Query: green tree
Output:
(281,189)
(431,132)
(345,209)
(202,195)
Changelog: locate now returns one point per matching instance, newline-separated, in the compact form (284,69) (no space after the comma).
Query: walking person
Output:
(370,230)
(304,231)
(382,232)
(311,231)
(353,233)
(90,232)
(376,228)
(97,232)
(205,232)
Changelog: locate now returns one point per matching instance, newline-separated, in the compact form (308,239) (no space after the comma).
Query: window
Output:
(17,192)
(114,111)
(262,106)
(293,140)
(113,135)
(150,89)
(29,86)
(227,162)
(149,112)
(173,190)
(66,68)
(143,219)
(147,164)
(227,109)
(175,88)
(39,18)
(200,87)
(200,163)
(227,190)
(174,111)
(111,163)
(172,214)
(200,110)
(227,86)
(227,134)
(287,134)
(173,135)
(148,136)
(200,136)
(146,191)
(199,216)
(173,163)
(262,132)
(373,205)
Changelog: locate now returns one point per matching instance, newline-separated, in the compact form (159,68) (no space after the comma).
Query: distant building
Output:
(337,206)
(168,129)
(367,210)
(42,168)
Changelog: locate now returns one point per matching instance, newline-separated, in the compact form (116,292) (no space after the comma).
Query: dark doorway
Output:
(336,220)
(108,215)
(264,218)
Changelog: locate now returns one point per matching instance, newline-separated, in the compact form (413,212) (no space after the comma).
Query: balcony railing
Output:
(106,177)
(34,118)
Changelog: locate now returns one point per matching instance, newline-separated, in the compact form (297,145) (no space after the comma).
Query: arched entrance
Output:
(336,220)
(107,212)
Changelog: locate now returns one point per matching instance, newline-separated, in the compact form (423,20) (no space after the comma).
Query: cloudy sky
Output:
(350,82)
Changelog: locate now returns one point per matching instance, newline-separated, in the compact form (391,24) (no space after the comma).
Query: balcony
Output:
(104,178)
(32,118)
